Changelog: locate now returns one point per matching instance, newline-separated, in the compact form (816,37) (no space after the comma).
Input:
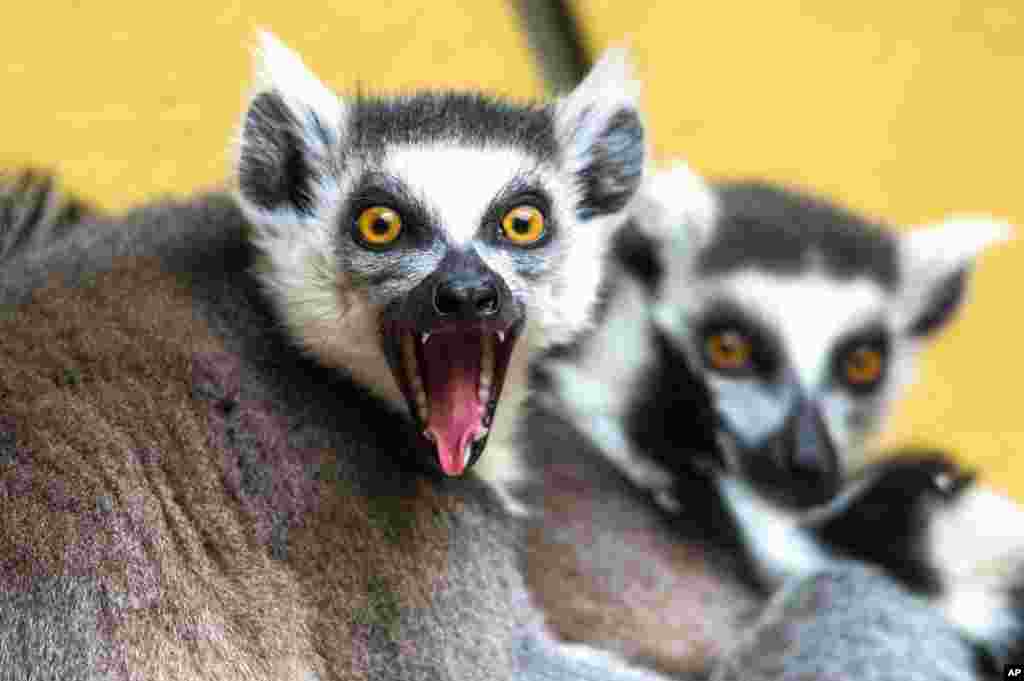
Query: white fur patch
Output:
(978,546)
(809,312)
(281,69)
(931,253)
(459,183)
(317,110)
(780,546)
(677,207)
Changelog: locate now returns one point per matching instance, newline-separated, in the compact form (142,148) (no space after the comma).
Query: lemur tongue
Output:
(452,377)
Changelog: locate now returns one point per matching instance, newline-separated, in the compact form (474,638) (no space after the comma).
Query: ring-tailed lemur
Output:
(754,340)
(190,488)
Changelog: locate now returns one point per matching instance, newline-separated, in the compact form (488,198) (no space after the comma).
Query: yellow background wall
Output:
(904,110)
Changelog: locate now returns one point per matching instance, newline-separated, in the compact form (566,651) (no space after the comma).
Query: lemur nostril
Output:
(474,299)
(487,301)
(446,300)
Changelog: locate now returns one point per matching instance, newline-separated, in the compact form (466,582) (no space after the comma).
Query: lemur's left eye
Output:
(863,366)
(728,351)
(379,226)
(523,225)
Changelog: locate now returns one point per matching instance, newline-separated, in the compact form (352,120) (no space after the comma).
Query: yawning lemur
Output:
(754,341)
(222,429)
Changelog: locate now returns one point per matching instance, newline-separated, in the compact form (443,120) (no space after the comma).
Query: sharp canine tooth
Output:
(425,337)
(412,371)
(501,336)
(429,435)
(486,368)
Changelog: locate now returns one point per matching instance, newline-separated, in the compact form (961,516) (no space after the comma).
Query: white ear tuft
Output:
(953,243)
(600,130)
(936,260)
(279,68)
(677,204)
(289,139)
(611,79)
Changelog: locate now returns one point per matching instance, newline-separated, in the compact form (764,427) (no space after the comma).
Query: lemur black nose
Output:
(812,456)
(469,297)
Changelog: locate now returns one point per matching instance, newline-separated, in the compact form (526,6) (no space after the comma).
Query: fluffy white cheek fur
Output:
(978,543)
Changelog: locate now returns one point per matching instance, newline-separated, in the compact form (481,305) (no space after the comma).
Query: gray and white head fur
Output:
(450,166)
(829,311)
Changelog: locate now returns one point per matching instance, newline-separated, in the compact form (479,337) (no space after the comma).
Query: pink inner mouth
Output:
(451,375)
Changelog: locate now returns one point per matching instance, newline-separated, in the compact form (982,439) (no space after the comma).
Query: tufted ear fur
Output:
(288,145)
(602,136)
(936,262)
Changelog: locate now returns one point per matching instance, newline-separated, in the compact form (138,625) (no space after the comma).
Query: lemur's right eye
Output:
(379,226)
(728,351)
(523,225)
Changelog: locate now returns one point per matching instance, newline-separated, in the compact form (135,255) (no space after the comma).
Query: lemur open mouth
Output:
(452,379)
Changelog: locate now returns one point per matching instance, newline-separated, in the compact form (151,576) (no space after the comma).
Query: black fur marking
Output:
(614,166)
(468,119)
(874,336)
(674,424)
(636,252)
(673,421)
(945,299)
(380,189)
(767,356)
(784,232)
(275,168)
(900,502)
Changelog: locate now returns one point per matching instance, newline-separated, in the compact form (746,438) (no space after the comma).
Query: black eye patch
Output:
(380,189)
(519,192)
(725,317)
(860,360)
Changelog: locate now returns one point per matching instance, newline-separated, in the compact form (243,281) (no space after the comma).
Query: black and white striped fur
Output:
(630,399)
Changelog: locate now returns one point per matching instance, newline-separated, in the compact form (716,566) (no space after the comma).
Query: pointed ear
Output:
(602,136)
(936,263)
(288,144)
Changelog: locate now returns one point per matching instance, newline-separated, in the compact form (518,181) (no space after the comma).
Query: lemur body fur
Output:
(236,431)
(753,341)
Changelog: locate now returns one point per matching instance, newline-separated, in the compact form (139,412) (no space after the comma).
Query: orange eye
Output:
(379,226)
(728,351)
(523,225)
(862,366)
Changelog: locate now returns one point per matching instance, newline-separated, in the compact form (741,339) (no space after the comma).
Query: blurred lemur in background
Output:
(705,446)
(228,424)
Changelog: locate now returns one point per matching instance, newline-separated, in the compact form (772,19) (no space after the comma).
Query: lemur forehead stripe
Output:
(469,119)
(463,188)
(785,232)
(807,314)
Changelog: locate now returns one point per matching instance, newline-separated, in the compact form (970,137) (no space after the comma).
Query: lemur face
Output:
(427,243)
(803,319)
